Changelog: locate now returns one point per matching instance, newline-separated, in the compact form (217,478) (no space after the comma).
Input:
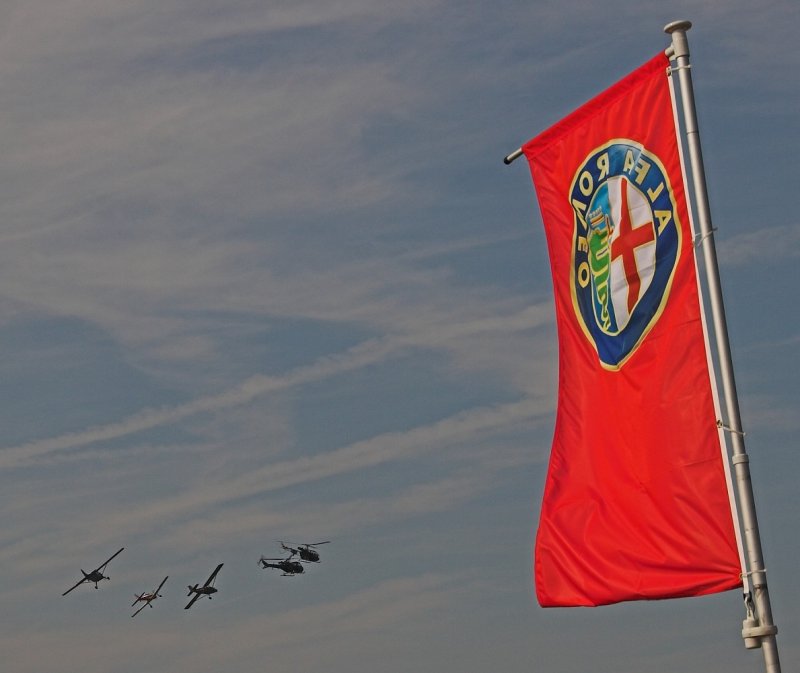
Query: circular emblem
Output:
(625,247)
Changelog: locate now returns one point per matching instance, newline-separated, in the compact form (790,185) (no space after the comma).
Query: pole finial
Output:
(680,43)
(683,25)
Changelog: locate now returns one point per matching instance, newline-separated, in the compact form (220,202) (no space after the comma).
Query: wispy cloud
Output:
(359,356)
(222,510)
(280,637)
(767,244)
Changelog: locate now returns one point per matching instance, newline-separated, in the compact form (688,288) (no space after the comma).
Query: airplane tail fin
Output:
(192,589)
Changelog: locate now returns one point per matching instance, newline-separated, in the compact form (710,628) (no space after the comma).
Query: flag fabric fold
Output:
(636,504)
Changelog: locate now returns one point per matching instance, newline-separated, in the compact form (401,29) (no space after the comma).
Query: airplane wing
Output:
(102,567)
(74,587)
(191,602)
(213,575)
(140,609)
(161,585)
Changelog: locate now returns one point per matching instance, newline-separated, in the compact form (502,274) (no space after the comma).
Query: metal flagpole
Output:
(758,628)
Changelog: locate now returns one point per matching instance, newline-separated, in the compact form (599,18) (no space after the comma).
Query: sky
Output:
(264,276)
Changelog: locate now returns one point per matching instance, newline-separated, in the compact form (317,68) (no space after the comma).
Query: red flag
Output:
(636,502)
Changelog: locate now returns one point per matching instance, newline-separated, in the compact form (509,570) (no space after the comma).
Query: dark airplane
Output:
(95,576)
(206,590)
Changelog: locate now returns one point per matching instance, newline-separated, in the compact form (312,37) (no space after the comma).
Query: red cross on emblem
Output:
(627,240)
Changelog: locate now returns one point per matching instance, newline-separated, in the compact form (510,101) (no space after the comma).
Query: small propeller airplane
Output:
(148,598)
(206,590)
(290,568)
(95,576)
(304,551)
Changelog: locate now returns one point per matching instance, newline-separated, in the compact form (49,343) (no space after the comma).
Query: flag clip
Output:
(750,573)
(699,238)
(673,68)
(722,426)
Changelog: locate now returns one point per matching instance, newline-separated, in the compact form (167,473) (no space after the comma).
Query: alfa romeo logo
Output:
(625,247)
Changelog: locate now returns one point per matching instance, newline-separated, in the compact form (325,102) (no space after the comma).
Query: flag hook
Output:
(751,573)
(699,238)
(722,426)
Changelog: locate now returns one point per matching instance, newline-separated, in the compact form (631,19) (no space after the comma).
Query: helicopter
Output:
(147,598)
(304,551)
(290,568)
(95,576)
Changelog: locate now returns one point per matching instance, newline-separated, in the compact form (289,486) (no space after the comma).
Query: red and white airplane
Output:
(95,576)
(148,598)
(206,590)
